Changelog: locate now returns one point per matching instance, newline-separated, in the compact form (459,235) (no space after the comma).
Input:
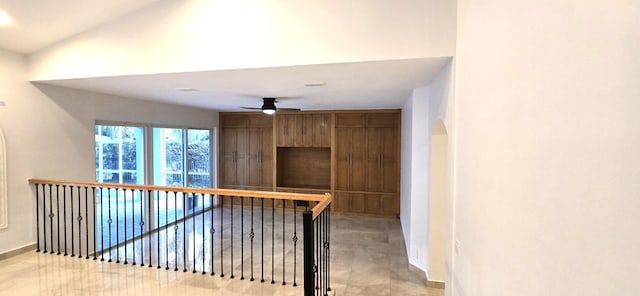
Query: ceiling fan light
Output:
(269,106)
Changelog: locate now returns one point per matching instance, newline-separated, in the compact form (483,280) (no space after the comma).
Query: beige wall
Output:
(547,172)
(438,198)
(49,133)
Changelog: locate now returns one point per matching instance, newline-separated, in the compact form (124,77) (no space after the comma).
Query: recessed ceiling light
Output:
(187,89)
(4,18)
(312,84)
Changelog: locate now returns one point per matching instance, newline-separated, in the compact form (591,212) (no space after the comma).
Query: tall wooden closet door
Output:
(228,159)
(254,172)
(266,157)
(242,156)
(343,148)
(358,159)
(389,159)
(374,158)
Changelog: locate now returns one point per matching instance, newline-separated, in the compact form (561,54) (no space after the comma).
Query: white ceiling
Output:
(375,85)
(38,23)
(379,84)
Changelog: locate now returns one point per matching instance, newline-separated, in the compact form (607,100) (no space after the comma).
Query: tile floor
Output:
(368,258)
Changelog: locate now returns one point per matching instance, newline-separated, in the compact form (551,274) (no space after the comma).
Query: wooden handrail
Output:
(323,199)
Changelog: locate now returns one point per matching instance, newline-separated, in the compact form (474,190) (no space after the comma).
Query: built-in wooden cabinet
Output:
(367,162)
(246,149)
(352,154)
(303,130)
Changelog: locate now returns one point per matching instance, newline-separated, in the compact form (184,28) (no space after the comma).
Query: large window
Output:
(120,158)
(120,154)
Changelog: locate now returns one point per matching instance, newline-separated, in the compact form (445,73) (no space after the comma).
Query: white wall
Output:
(425,106)
(547,138)
(196,35)
(49,133)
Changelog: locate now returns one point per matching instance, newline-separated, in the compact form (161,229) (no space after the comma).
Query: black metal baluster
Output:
(203,235)
(44,217)
(142,217)
(149,214)
(133,222)
(232,198)
(324,250)
(185,211)
(101,224)
(124,209)
(73,252)
(221,237)
(166,229)
(273,239)
(283,242)
(64,216)
(295,242)
(262,237)
(317,249)
(241,238)
(193,228)
(211,237)
(133,232)
(51,215)
(328,230)
(117,229)
(58,215)
(308,264)
(86,221)
(251,236)
(158,231)
(175,232)
(109,221)
(37,220)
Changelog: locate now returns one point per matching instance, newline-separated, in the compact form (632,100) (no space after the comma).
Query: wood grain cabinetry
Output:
(303,130)
(246,151)
(353,154)
(367,163)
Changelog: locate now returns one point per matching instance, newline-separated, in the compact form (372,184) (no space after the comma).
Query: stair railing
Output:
(207,230)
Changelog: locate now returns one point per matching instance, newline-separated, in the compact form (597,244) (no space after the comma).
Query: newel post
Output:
(309,269)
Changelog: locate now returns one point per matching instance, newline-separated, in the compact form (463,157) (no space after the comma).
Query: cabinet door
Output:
(242,157)
(286,130)
(372,204)
(266,157)
(343,149)
(374,158)
(304,130)
(254,135)
(341,202)
(390,205)
(321,125)
(357,159)
(228,159)
(389,162)
(357,203)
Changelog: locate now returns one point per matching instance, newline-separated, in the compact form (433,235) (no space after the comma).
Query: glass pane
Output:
(168,170)
(199,166)
(119,159)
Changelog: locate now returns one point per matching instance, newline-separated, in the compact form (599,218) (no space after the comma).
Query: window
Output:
(120,154)
(120,158)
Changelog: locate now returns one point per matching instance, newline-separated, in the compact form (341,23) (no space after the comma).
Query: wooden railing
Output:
(160,224)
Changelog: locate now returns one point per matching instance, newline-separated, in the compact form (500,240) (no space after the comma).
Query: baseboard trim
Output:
(435,284)
(17,251)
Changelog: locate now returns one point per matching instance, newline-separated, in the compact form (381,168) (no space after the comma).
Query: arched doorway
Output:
(438,196)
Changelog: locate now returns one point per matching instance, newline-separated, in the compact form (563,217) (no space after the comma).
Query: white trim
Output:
(4,214)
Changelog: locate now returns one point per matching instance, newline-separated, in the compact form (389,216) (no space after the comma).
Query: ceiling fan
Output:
(269,106)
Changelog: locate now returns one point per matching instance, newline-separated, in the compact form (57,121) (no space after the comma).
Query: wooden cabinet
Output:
(367,162)
(354,154)
(246,151)
(303,130)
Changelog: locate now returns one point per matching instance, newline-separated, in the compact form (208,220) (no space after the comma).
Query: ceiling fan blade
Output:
(289,109)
